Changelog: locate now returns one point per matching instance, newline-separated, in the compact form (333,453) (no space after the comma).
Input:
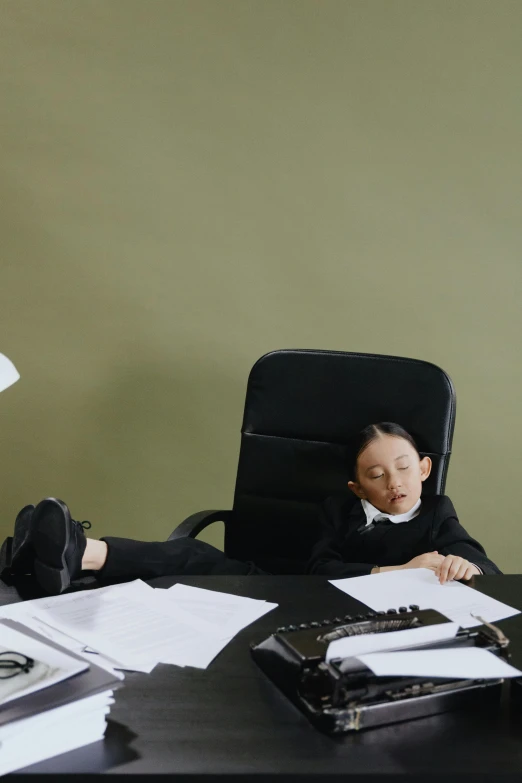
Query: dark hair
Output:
(369,434)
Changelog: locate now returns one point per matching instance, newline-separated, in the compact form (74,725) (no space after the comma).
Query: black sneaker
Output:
(58,543)
(21,548)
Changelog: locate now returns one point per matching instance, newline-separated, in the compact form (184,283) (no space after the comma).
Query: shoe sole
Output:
(21,557)
(51,535)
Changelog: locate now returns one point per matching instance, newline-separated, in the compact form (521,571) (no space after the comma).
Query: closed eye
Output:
(376,477)
(406,468)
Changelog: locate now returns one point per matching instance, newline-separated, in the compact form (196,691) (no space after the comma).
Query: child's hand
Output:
(431,560)
(454,567)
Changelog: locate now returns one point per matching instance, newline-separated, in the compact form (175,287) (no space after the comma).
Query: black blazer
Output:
(344,550)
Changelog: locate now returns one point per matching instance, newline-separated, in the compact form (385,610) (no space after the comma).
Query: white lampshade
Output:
(8,372)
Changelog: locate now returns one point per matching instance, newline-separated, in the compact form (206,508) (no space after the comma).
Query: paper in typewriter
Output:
(467,663)
(349,646)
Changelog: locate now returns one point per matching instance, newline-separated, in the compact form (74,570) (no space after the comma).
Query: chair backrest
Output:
(302,408)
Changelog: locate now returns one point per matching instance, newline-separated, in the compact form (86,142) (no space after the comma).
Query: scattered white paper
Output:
(198,657)
(350,646)
(121,628)
(468,663)
(133,626)
(214,596)
(420,586)
(24,612)
(226,613)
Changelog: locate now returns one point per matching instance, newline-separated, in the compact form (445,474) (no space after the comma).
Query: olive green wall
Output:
(188,184)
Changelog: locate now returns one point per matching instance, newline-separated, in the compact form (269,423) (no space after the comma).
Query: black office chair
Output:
(302,408)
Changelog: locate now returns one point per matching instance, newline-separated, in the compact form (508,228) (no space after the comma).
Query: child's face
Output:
(390,474)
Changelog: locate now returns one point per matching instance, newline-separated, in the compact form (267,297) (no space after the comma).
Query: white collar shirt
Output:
(374,515)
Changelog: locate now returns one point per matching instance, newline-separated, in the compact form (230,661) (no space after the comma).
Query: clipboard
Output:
(87,683)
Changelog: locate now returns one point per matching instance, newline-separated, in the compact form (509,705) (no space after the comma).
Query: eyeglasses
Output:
(13,663)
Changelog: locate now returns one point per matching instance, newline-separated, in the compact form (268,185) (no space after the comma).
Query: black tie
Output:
(367,528)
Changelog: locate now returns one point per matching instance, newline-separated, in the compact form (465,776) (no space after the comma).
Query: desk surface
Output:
(231,719)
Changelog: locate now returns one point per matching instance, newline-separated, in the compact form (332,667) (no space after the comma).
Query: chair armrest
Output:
(195,523)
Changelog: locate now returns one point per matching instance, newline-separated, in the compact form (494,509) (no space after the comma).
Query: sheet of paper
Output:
(39,615)
(227,613)
(122,628)
(202,594)
(420,586)
(159,600)
(199,657)
(137,589)
(351,646)
(8,372)
(23,612)
(468,663)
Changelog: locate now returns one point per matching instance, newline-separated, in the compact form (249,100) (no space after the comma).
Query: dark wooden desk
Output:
(231,719)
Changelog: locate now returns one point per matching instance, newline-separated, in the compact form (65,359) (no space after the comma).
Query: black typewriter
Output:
(343,695)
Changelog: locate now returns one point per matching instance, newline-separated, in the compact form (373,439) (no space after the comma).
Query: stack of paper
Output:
(134,626)
(53,732)
(42,713)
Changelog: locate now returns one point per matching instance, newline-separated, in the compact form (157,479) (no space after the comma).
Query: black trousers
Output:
(128,559)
